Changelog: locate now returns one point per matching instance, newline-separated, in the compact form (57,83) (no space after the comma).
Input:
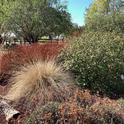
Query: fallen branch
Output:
(9,112)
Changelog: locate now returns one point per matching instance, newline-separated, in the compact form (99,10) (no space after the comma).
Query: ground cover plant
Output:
(96,60)
(81,108)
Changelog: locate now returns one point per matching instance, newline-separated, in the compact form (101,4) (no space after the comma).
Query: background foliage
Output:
(105,15)
(32,19)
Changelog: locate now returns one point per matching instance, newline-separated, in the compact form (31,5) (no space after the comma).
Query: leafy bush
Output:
(97,61)
(121,102)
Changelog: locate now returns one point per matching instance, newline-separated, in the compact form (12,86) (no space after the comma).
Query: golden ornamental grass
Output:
(44,77)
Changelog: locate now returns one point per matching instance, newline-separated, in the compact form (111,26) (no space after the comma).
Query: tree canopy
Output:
(106,15)
(105,7)
(31,19)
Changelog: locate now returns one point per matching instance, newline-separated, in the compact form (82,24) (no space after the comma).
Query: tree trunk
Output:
(31,39)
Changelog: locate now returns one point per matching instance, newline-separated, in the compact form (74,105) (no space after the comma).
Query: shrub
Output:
(82,108)
(36,51)
(121,102)
(21,55)
(97,61)
(26,54)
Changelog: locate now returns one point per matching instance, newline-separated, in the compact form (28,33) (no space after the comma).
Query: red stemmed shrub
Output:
(82,108)
(25,54)
(36,51)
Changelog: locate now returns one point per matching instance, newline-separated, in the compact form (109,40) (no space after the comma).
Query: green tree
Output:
(32,19)
(4,13)
(105,15)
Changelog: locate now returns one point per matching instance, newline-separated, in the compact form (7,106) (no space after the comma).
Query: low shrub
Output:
(36,51)
(82,108)
(21,55)
(97,61)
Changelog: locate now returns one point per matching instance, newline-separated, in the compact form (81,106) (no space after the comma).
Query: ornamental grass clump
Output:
(97,61)
(44,79)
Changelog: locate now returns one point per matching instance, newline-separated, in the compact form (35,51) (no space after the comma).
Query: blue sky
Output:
(77,10)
